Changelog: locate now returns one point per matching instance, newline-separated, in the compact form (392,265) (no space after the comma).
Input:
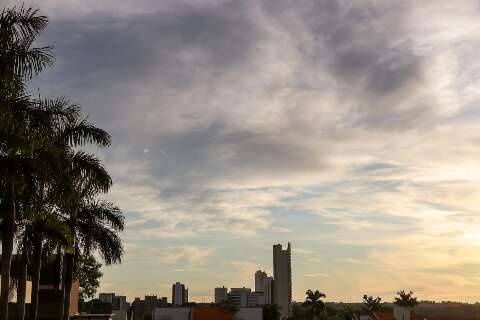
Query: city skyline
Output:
(346,127)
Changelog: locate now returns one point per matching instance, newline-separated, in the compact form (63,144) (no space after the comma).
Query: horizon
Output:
(348,128)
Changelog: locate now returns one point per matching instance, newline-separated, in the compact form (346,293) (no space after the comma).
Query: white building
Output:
(239,296)
(221,294)
(282,275)
(179,294)
(268,290)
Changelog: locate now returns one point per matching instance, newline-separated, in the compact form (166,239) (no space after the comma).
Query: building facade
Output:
(268,290)
(179,294)
(142,309)
(239,296)
(221,294)
(282,275)
(260,277)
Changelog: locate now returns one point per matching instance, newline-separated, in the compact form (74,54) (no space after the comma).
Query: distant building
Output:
(260,277)
(106,297)
(221,294)
(239,296)
(179,294)
(143,309)
(255,299)
(282,275)
(119,304)
(268,290)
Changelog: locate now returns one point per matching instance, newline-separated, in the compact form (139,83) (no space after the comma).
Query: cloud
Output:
(347,126)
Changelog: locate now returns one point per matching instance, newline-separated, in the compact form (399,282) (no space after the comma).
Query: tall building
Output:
(239,296)
(268,290)
(179,294)
(282,275)
(220,294)
(260,277)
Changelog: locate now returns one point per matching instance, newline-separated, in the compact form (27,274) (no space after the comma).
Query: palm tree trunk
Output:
(7,250)
(37,267)
(69,261)
(22,287)
(62,293)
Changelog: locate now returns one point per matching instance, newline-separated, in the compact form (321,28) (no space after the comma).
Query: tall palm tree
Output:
(19,61)
(314,302)
(95,226)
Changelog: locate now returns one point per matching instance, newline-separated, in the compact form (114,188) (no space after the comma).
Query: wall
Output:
(401,313)
(173,314)
(249,314)
(211,313)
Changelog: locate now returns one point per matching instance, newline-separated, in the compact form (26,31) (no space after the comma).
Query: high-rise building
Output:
(239,296)
(282,275)
(220,294)
(268,290)
(179,294)
(260,277)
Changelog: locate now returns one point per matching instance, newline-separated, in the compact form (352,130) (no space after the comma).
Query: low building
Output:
(256,299)
(221,294)
(143,309)
(239,296)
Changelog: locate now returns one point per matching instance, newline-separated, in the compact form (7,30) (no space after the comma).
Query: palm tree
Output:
(371,304)
(19,61)
(95,227)
(405,299)
(314,302)
(94,224)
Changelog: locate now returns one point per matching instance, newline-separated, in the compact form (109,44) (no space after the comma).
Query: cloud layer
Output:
(347,127)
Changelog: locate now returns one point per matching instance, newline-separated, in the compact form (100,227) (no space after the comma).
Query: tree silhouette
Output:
(372,304)
(405,299)
(314,302)
(271,312)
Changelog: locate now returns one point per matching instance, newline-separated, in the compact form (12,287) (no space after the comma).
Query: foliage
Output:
(314,302)
(405,299)
(347,314)
(271,312)
(88,274)
(372,304)
(228,305)
(48,186)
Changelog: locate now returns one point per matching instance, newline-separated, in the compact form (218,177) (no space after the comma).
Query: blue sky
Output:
(349,128)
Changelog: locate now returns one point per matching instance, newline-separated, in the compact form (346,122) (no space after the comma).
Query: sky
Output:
(349,128)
